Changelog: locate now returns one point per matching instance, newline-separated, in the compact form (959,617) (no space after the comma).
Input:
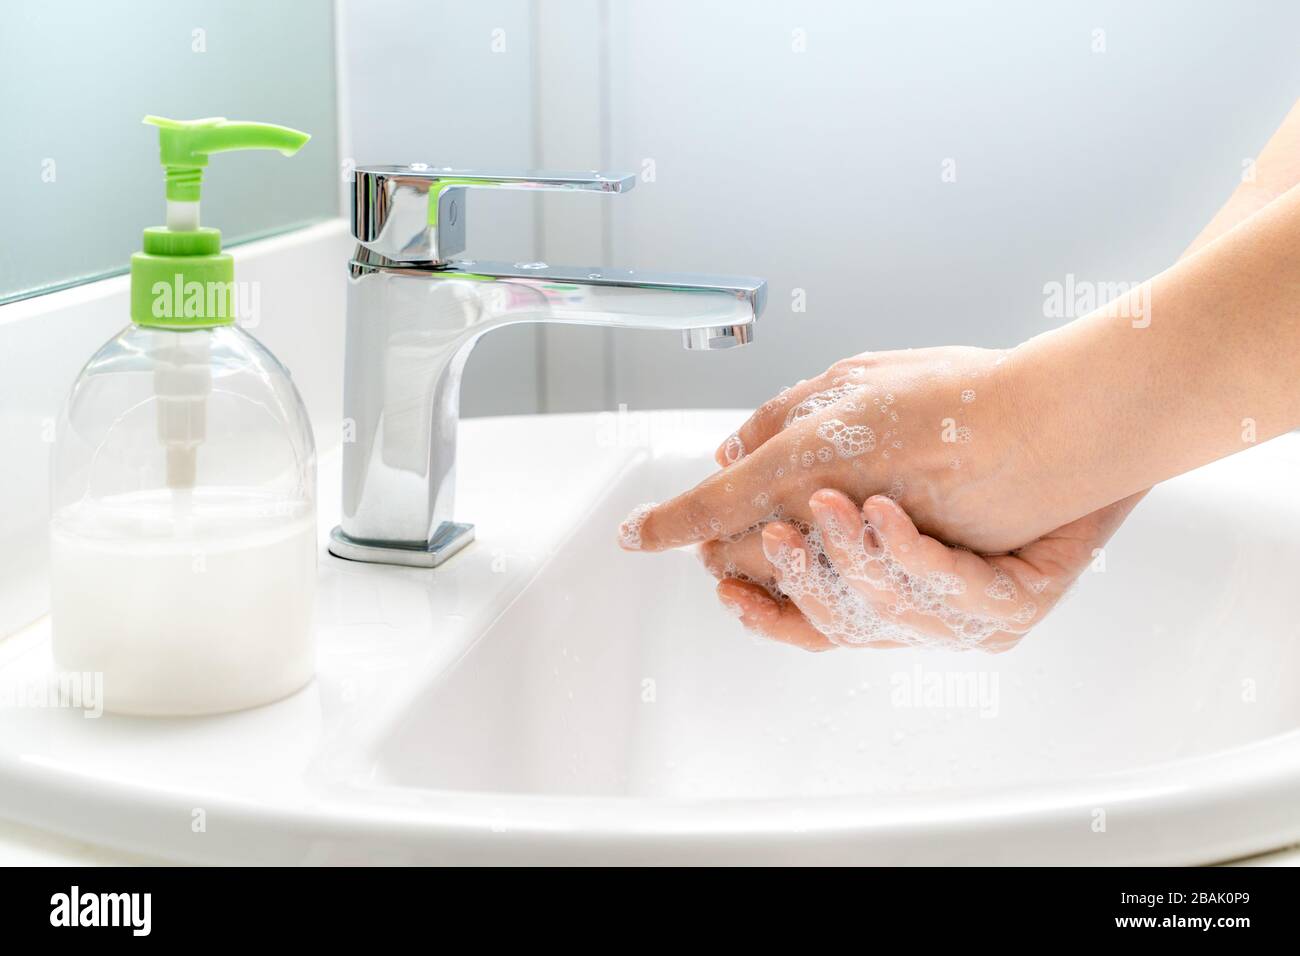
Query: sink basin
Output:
(546,697)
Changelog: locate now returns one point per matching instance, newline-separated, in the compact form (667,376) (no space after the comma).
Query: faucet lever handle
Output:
(416,213)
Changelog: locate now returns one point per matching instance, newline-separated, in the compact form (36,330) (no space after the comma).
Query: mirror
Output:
(80,172)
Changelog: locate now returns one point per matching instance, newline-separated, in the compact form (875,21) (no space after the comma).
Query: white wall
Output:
(821,169)
(422,84)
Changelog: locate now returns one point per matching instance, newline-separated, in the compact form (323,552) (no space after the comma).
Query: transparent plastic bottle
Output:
(183,530)
(183,540)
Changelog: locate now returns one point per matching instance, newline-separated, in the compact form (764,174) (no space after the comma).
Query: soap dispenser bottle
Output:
(183,530)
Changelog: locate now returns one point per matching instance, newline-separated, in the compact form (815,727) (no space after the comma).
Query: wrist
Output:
(1022,408)
(1054,409)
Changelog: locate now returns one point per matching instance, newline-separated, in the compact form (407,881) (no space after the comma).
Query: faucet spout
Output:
(711,311)
(411,326)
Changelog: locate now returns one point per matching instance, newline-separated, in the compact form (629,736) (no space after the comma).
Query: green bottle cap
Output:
(182,279)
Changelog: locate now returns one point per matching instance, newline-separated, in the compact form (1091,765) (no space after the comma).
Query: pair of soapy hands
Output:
(893,500)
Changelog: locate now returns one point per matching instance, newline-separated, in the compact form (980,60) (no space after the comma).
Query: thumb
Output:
(1060,556)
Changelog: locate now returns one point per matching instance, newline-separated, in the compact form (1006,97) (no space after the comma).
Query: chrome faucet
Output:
(414,313)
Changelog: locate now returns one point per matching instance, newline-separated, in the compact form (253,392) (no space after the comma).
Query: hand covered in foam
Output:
(930,438)
(867,578)
(938,430)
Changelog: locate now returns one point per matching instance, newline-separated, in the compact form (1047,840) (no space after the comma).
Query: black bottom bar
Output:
(931,906)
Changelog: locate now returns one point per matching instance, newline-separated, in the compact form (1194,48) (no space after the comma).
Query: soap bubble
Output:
(853,619)
(849,441)
(1001,588)
(821,401)
(629,532)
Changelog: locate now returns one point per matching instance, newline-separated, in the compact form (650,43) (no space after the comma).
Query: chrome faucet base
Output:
(449,539)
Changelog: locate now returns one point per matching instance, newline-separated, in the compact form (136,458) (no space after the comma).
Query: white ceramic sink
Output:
(546,697)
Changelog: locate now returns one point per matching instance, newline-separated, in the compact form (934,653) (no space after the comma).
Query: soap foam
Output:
(849,441)
(733,450)
(854,620)
(1001,588)
(629,532)
(840,396)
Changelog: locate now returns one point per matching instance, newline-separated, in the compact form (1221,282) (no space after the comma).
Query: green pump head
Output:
(182,279)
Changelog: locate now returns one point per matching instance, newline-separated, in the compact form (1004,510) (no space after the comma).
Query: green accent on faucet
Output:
(440,187)
(181,279)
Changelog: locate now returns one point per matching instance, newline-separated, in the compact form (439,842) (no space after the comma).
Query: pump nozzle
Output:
(188,260)
(184,146)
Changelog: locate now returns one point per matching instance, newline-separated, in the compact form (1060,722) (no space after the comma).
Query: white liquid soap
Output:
(185,607)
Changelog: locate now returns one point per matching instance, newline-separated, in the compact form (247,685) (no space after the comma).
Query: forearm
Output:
(1275,170)
(1120,400)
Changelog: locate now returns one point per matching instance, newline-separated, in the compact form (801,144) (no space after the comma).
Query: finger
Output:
(852,545)
(823,601)
(768,419)
(738,557)
(788,554)
(917,581)
(743,560)
(724,504)
(854,540)
(854,549)
(759,612)
(1046,568)
(972,598)
(1053,562)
